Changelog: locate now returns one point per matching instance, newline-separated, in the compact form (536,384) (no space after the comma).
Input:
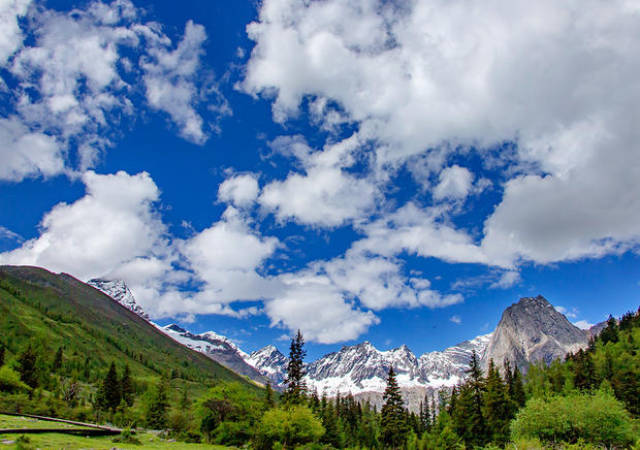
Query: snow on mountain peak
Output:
(119,291)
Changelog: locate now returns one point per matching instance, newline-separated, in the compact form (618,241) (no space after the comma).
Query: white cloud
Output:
(583,324)
(112,225)
(227,256)
(10,33)
(429,79)
(507,279)
(170,80)
(25,153)
(314,306)
(71,90)
(571,314)
(455,183)
(325,195)
(239,190)
(455,319)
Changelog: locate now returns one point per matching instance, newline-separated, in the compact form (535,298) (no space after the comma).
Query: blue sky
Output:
(356,169)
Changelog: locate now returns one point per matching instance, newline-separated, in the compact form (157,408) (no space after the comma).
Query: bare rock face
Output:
(530,331)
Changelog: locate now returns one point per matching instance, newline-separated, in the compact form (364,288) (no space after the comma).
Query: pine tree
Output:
(57,360)
(110,393)
(158,407)
(516,390)
(468,416)
(394,426)
(496,407)
(425,415)
(296,389)
(610,333)
(126,386)
(27,367)
(268,399)
(2,350)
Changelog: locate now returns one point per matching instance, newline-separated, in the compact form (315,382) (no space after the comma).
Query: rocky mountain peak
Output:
(533,330)
(119,291)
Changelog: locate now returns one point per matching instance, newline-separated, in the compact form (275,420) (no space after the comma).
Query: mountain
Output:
(270,363)
(532,330)
(119,291)
(57,310)
(218,348)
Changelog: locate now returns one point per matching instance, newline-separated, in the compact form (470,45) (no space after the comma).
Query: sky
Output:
(398,172)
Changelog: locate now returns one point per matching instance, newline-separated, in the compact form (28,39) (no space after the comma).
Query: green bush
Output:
(292,426)
(597,419)
(10,381)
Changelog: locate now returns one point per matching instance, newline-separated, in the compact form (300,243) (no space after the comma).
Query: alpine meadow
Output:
(319,224)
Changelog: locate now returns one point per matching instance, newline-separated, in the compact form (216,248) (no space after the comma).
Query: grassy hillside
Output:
(59,311)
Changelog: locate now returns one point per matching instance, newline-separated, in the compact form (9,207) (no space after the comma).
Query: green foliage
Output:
(393,423)
(497,408)
(228,414)
(10,381)
(27,367)
(289,426)
(597,418)
(296,389)
(158,406)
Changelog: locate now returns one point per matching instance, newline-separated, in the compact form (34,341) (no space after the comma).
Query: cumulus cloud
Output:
(77,77)
(112,225)
(171,82)
(428,79)
(11,11)
(455,319)
(239,190)
(583,324)
(324,194)
(455,183)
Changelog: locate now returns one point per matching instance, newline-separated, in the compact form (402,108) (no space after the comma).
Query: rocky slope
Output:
(119,291)
(270,363)
(217,347)
(532,330)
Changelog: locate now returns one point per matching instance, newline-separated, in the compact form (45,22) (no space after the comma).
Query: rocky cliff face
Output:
(119,291)
(532,330)
(270,363)
(216,347)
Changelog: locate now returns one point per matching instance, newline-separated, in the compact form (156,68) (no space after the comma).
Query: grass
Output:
(27,422)
(62,441)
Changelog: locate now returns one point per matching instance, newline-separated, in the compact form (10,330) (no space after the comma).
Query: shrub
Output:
(597,419)
(10,381)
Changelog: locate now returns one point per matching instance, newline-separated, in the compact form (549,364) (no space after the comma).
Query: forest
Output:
(591,399)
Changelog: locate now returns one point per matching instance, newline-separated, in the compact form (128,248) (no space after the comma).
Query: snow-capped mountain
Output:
(362,369)
(118,290)
(270,363)
(217,347)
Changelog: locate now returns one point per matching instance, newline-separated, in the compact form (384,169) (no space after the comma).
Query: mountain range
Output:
(530,330)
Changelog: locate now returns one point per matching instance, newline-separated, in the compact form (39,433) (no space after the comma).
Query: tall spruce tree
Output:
(516,389)
(27,366)
(2,350)
(269,402)
(296,388)
(126,386)
(392,421)
(158,407)
(497,410)
(110,393)
(468,415)
(57,360)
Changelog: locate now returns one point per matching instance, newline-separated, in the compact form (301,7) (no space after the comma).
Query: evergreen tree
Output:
(27,367)
(296,389)
(158,406)
(496,407)
(584,370)
(332,434)
(469,421)
(516,390)
(425,415)
(268,399)
(2,350)
(110,393)
(394,426)
(126,386)
(57,360)
(610,333)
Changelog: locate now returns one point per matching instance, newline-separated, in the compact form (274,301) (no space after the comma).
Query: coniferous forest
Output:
(591,399)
